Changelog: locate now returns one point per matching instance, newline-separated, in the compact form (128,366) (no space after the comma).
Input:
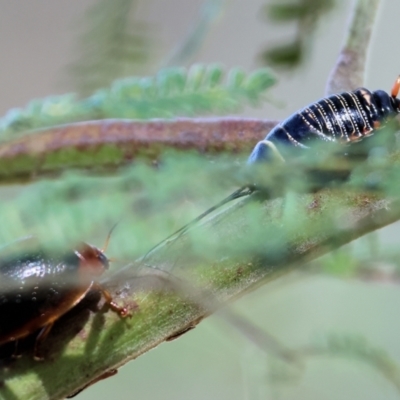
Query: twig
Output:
(27,156)
(349,70)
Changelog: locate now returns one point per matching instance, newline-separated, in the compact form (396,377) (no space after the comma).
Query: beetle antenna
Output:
(396,87)
(107,242)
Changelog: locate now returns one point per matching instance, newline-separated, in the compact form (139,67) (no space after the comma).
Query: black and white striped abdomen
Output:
(345,118)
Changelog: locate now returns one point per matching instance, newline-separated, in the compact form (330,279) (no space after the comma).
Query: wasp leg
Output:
(265,151)
(121,311)
(39,340)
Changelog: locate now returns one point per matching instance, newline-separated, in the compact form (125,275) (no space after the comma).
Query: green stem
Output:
(211,275)
(349,70)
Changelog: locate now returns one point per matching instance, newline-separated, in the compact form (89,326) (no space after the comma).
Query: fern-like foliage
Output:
(171,93)
(176,92)
(114,44)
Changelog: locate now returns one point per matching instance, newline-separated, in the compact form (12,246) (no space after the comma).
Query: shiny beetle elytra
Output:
(37,288)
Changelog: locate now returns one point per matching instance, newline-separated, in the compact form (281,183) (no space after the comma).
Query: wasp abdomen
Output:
(344,118)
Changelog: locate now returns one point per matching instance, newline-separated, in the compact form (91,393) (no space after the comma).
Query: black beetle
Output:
(37,288)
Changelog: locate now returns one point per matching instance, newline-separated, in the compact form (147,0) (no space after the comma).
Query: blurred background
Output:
(41,44)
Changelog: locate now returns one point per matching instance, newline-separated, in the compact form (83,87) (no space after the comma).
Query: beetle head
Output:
(93,261)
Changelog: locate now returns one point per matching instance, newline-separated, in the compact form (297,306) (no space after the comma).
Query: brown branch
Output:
(96,144)
(203,134)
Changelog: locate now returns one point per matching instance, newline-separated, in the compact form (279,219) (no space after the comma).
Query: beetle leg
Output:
(122,311)
(39,339)
(16,353)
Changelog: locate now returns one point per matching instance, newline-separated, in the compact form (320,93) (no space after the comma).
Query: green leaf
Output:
(173,92)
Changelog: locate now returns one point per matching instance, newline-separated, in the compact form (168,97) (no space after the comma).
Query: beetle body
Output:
(343,118)
(37,288)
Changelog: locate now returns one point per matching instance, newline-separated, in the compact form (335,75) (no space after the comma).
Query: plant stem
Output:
(349,70)
(112,143)
(105,342)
